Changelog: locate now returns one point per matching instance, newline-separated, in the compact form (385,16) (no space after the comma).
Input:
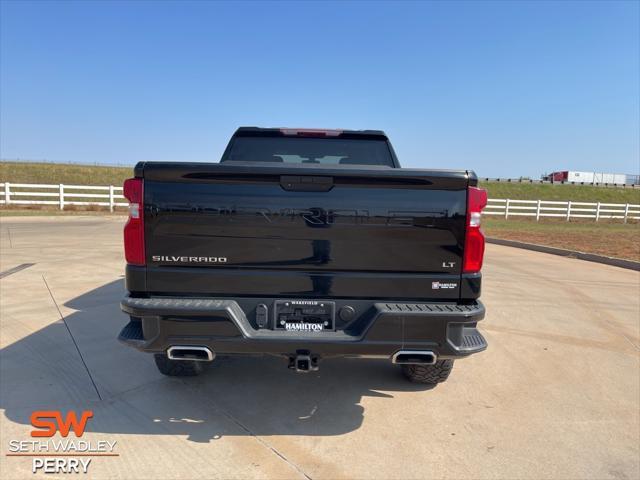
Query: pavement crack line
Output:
(265,444)
(64,320)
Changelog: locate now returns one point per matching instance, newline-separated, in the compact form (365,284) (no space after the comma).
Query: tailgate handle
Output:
(306,183)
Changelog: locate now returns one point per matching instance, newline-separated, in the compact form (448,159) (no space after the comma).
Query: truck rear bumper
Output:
(447,329)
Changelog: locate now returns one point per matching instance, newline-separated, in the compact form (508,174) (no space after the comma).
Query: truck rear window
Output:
(327,151)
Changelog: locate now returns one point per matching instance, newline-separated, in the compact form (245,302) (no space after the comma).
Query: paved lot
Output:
(556,395)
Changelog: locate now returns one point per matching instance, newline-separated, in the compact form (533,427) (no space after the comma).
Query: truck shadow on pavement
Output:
(259,396)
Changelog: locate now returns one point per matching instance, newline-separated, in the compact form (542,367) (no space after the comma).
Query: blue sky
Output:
(506,88)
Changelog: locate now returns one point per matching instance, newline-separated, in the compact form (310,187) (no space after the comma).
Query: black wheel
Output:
(429,374)
(177,368)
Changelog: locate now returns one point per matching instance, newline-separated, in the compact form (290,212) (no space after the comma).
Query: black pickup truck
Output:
(305,244)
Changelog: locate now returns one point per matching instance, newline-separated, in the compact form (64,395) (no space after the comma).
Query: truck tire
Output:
(177,368)
(429,374)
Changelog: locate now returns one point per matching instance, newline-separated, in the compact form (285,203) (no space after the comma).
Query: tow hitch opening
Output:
(303,362)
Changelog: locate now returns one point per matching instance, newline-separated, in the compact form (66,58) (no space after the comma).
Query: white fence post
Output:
(61,192)
(506,210)
(568,210)
(111,202)
(7,193)
(538,212)
(626,212)
(598,212)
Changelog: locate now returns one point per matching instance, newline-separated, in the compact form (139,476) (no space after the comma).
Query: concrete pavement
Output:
(556,395)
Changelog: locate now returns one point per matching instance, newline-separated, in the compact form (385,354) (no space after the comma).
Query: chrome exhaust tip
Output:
(188,352)
(408,357)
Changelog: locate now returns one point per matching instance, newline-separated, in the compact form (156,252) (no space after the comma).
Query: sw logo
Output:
(48,422)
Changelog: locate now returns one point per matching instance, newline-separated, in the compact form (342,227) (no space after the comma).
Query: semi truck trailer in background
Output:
(593,177)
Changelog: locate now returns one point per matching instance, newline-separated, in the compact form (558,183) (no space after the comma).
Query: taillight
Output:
(474,238)
(309,132)
(134,229)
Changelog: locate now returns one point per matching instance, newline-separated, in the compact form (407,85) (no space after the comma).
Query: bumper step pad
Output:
(132,334)
(466,339)
(429,308)
(474,341)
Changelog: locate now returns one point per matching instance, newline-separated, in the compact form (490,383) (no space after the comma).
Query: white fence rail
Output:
(506,208)
(111,197)
(61,195)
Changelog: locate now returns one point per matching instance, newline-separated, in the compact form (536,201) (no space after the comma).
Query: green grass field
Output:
(54,173)
(18,172)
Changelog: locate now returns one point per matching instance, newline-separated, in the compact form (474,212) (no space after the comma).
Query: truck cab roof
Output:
(309,132)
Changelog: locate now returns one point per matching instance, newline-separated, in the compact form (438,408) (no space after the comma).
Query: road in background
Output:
(556,395)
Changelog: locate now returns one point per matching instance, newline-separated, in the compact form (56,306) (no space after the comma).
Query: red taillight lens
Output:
(474,238)
(310,132)
(134,229)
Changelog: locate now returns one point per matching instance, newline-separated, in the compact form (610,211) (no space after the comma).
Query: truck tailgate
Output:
(220,220)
